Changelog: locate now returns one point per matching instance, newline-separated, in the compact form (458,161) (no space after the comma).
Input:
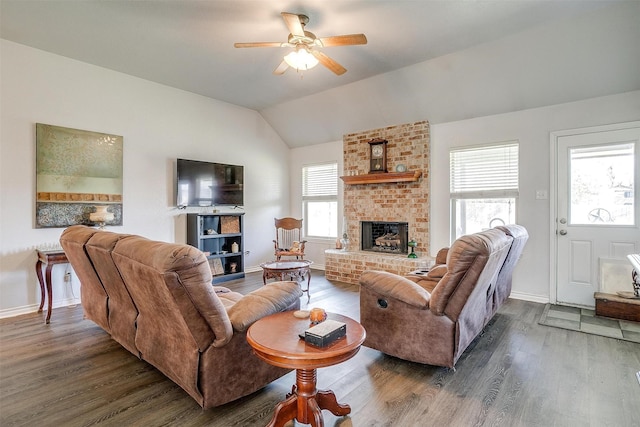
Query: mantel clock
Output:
(378,156)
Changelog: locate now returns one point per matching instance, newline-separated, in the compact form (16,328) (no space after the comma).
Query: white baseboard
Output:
(254,269)
(542,299)
(33,308)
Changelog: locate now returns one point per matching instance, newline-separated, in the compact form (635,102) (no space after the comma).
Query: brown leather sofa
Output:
(157,301)
(433,321)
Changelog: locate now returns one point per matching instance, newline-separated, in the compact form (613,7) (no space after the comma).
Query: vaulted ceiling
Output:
(189,44)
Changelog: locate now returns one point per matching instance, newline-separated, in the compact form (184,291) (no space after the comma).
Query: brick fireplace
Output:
(390,202)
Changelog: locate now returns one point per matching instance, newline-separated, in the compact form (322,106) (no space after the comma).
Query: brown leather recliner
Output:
(434,327)
(156,300)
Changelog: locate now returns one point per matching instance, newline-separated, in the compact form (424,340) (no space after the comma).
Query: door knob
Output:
(563,232)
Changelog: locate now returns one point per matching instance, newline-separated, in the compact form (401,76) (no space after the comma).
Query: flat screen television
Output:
(208,184)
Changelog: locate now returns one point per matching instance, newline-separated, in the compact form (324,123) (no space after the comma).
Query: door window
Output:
(601,185)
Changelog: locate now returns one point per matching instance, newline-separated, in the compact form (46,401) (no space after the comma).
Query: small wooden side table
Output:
(49,258)
(275,340)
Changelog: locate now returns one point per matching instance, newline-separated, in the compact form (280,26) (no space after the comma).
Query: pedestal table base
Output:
(305,403)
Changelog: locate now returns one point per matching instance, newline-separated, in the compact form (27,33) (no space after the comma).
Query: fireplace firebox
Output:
(384,236)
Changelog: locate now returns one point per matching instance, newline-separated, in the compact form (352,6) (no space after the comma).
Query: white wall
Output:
(532,129)
(158,124)
(302,156)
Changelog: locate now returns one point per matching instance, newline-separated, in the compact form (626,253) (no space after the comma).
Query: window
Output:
(320,200)
(602,179)
(484,187)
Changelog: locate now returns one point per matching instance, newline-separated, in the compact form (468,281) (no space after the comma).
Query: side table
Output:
(49,258)
(275,340)
(294,270)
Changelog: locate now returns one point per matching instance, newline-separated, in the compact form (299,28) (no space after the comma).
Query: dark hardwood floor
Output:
(517,373)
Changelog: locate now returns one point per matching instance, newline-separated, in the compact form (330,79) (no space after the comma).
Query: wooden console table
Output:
(49,258)
(275,340)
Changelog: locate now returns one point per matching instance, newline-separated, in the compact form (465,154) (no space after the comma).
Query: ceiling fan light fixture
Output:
(305,55)
(301,59)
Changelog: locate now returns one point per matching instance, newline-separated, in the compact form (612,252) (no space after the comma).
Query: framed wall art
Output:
(77,171)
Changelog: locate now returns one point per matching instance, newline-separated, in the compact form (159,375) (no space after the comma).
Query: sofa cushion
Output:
(504,280)
(269,299)
(150,269)
(466,262)
(122,311)
(93,295)
(227,296)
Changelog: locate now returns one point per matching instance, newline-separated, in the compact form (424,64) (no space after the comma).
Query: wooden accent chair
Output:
(289,238)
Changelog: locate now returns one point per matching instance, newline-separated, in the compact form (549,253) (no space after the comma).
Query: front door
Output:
(597,216)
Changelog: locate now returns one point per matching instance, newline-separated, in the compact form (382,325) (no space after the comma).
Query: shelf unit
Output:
(381,178)
(215,235)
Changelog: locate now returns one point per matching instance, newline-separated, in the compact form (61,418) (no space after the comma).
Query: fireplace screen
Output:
(382,236)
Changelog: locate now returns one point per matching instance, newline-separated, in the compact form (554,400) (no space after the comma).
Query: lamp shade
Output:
(301,59)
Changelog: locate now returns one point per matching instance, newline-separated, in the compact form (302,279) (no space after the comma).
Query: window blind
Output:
(484,170)
(320,181)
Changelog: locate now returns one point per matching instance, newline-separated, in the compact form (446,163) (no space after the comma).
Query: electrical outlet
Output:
(67,276)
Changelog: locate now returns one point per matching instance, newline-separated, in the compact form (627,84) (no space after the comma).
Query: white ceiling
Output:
(189,44)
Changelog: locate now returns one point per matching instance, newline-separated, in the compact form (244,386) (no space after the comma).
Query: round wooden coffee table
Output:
(294,270)
(275,340)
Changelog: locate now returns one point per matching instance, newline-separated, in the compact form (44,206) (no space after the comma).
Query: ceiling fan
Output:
(305,44)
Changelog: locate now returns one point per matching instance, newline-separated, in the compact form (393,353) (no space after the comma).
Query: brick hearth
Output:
(347,266)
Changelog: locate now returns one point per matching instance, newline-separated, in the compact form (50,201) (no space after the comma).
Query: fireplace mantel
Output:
(380,178)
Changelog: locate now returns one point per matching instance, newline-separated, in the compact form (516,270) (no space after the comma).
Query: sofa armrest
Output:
(431,278)
(269,299)
(394,286)
(436,273)
(441,256)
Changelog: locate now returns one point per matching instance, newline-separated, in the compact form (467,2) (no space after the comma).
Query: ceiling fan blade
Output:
(293,23)
(346,40)
(258,44)
(329,63)
(280,69)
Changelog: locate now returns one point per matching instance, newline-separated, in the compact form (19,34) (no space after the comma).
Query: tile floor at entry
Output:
(585,320)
